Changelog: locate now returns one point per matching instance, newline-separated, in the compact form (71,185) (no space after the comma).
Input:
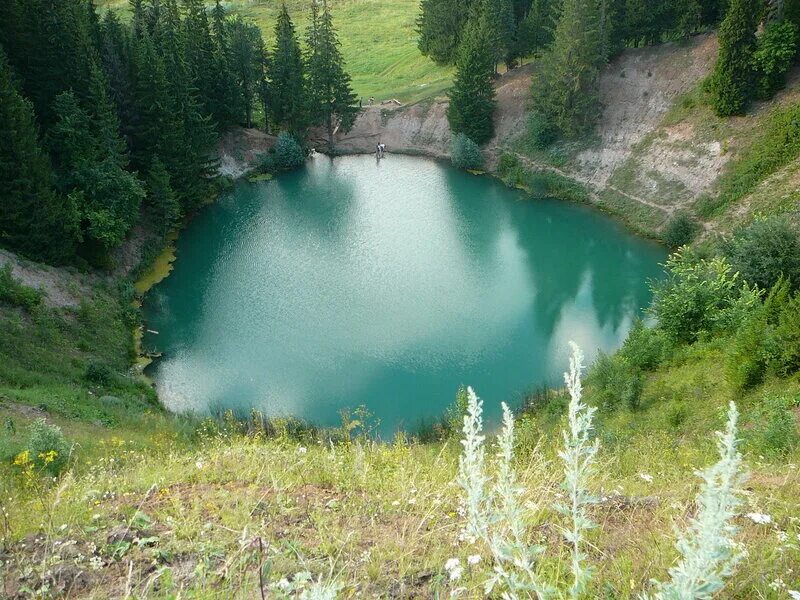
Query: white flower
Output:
(396,503)
(302,450)
(759,518)
(199,464)
(455,573)
(452,563)
(283,584)
(474,559)
(794,594)
(646,477)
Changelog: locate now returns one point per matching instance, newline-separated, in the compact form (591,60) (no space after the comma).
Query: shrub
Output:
(99,373)
(645,347)
(16,294)
(772,430)
(680,230)
(764,251)
(541,131)
(49,449)
(787,337)
(511,171)
(699,296)
(288,153)
(265,163)
(466,154)
(777,47)
(614,380)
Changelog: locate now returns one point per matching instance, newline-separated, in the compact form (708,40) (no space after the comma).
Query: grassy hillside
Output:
(379,43)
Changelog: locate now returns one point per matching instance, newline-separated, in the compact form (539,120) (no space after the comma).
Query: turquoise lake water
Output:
(387,284)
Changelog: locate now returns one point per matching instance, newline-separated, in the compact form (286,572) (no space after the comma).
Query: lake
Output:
(387,284)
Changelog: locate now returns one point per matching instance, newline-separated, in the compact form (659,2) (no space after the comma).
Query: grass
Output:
(202,510)
(379,43)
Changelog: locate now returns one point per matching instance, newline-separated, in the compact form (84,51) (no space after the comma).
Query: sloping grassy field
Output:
(378,37)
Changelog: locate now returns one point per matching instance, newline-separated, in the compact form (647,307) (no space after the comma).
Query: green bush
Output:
(49,449)
(777,144)
(700,295)
(466,154)
(288,153)
(645,347)
(265,163)
(765,251)
(777,48)
(511,171)
(680,230)
(16,294)
(99,373)
(615,381)
(773,431)
(787,335)
(541,131)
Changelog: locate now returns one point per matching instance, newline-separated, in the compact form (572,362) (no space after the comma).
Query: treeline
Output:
(101,118)
(575,39)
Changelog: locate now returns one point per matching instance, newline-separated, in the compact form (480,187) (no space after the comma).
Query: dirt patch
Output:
(63,287)
(239,149)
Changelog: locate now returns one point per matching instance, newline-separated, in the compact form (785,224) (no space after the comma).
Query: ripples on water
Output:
(387,285)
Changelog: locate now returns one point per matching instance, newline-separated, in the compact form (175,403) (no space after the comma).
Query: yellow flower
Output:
(48,457)
(23,458)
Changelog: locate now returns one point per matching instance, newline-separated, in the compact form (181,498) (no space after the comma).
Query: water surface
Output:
(387,285)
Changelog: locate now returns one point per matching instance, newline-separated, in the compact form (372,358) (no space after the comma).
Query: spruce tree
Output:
(161,198)
(108,196)
(33,219)
(245,64)
(228,101)
(732,83)
(499,22)
(440,27)
(199,56)
(535,31)
(472,97)
(286,77)
(331,96)
(565,91)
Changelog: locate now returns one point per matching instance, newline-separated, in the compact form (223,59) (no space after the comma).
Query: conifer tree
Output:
(161,197)
(440,27)
(33,219)
(472,97)
(535,30)
(246,64)
(732,83)
(286,77)
(499,22)
(565,92)
(331,96)
(199,56)
(228,101)
(108,196)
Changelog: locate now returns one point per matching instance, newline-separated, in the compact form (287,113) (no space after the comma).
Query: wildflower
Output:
(759,518)
(455,573)
(452,563)
(199,464)
(474,559)
(646,477)
(794,594)
(302,450)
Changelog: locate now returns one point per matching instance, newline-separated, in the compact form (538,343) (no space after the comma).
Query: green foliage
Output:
(565,90)
(48,447)
(162,198)
(33,220)
(776,51)
(472,97)
(774,146)
(787,335)
(731,84)
(645,348)
(440,25)
(99,373)
(288,153)
(615,382)
(286,75)
(88,170)
(680,230)
(466,154)
(329,92)
(541,131)
(765,251)
(15,293)
(772,427)
(699,296)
